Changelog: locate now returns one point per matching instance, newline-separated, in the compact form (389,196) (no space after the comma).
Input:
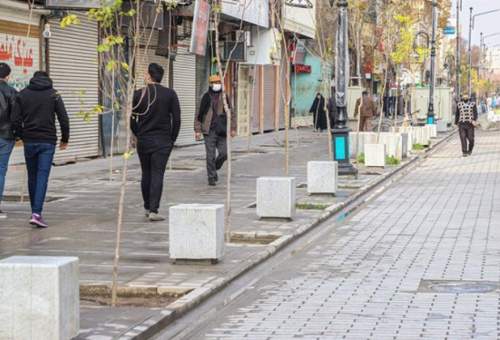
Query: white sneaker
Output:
(154,217)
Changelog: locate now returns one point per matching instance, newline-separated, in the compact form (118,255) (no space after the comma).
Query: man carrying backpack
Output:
(7,104)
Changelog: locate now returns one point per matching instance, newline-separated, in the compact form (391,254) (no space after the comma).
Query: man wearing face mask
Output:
(466,118)
(211,123)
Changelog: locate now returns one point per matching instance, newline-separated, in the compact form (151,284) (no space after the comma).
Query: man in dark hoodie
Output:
(7,104)
(35,118)
(156,123)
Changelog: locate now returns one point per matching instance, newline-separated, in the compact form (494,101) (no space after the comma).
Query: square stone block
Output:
(322,177)
(375,155)
(39,298)
(442,126)
(404,142)
(196,231)
(432,130)
(276,197)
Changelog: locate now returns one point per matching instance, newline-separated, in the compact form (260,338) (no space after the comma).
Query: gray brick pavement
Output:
(441,222)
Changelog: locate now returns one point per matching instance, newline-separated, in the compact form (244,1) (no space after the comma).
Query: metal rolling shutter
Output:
(73,66)
(269,98)
(185,86)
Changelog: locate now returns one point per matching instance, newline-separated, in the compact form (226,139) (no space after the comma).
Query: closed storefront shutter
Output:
(185,86)
(269,98)
(73,66)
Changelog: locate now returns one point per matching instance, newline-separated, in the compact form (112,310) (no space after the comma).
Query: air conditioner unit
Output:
(236,51)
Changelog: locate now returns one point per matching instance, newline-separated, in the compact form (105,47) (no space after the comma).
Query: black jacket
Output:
(157,114)
(7,105)
(38,106)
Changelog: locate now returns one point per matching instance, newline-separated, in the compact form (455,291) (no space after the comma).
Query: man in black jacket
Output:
(155,123)
(7,104)
(465,118)
(35,118)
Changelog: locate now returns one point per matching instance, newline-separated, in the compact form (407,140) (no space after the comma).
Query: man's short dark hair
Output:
(40,74)
(365,93)
(156,72)
(4,70)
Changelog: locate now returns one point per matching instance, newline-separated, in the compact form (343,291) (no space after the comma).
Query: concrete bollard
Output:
(375,155)
(276,197)
(442,126)
(39,298)
(196,232)
(322,177)
(432,130)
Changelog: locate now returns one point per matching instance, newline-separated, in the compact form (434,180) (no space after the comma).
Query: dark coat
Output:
(157,115)
(332,111)
(319,112)
(204,118)
(7,104)
(38,105)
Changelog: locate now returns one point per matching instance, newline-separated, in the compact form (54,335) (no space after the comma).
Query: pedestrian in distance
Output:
(7,140)
(466,118)
(319,113)
(365,107)
(155,123)
(38,106)
(211,124)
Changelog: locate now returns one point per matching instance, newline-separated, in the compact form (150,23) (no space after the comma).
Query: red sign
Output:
(199,32)
(299,68)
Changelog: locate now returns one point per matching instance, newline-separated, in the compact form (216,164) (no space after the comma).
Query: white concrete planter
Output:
(375,155)
(442,126)
(322,177)
(358,140)
(196,232)
(432,130)
(39,298)
(404,144)
(276,197)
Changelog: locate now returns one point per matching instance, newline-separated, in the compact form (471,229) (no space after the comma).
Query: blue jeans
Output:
(6,147)
(39,158)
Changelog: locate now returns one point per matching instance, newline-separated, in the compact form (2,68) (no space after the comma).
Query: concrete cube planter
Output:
(276,197)
(375,155)
(39,298)
(196,232)
(432,130)
(322,177)
(442,126)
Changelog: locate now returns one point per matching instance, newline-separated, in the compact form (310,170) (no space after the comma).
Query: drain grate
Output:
(458,287)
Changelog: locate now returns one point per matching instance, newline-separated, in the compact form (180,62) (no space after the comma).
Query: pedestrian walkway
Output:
(82,218)
(421,261)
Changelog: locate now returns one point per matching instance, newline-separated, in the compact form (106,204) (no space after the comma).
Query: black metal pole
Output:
(469,79)
(430,112)
(459,54)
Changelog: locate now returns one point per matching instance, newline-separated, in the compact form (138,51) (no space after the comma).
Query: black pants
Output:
(216,150)
(153,165)
(466,131)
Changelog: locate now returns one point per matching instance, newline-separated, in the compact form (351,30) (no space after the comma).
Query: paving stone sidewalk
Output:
(82,218)
(421,261)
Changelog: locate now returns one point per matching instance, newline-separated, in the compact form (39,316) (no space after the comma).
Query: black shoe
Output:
(465,154)
(469,153)
(211,182)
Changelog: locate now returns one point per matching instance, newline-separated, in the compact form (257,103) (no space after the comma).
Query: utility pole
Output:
(459,54)
(469,80)
(430,112)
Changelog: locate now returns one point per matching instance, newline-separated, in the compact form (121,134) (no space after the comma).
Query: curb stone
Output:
(154,324)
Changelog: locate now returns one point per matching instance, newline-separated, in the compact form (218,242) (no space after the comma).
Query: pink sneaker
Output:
(38,221)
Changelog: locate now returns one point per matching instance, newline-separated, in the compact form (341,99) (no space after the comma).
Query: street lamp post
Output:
(340,131)
(458,52)
(430,111)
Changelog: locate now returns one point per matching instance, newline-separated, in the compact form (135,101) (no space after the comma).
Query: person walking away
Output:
(7,140)
(319,113)
(465,118)
(38,106)
(211,123)
(155,123)
(366,109)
